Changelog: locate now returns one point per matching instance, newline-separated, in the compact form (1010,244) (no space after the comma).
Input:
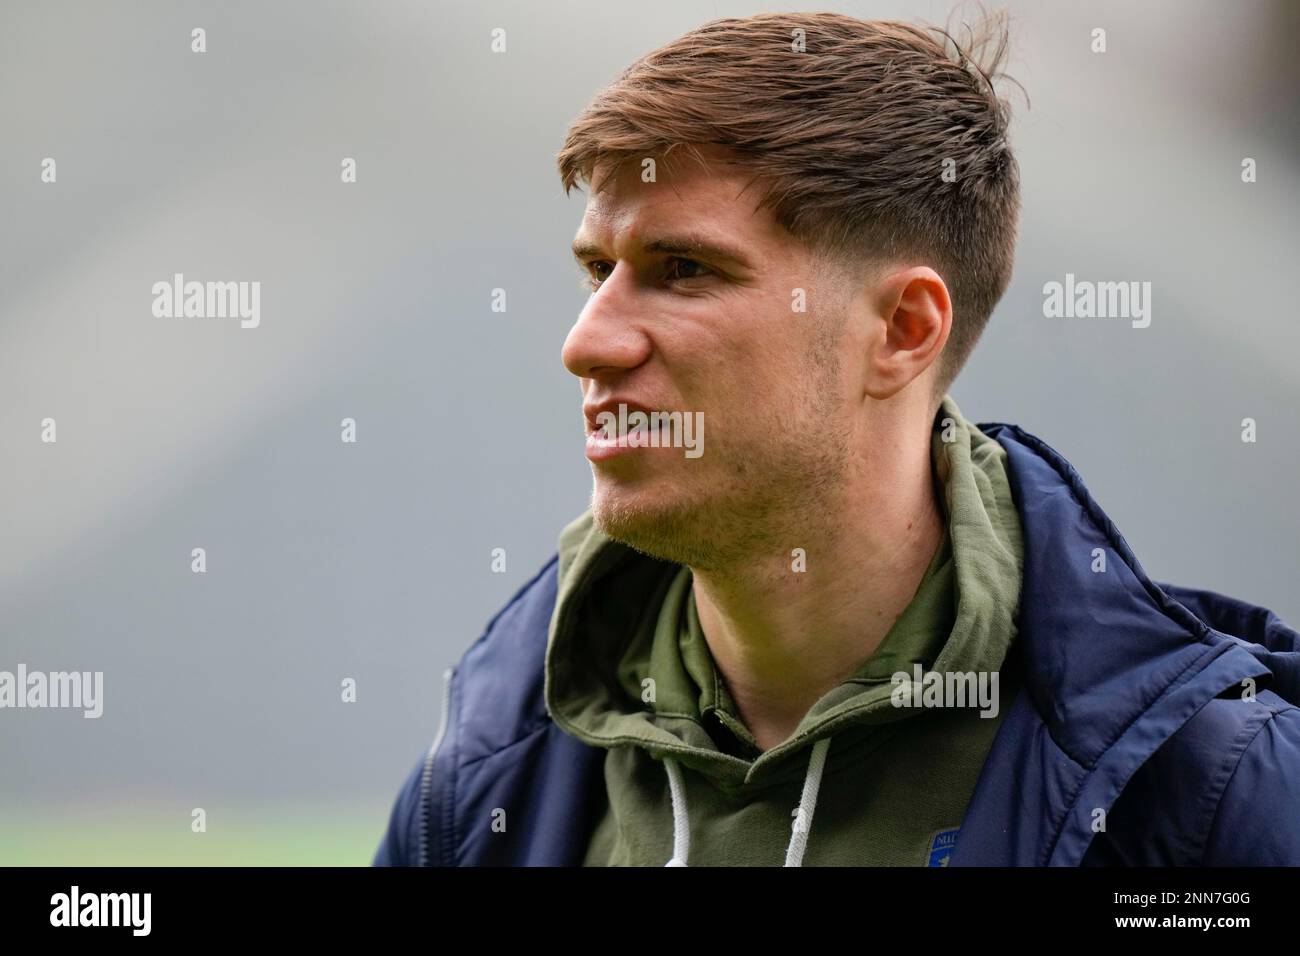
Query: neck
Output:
(782,638)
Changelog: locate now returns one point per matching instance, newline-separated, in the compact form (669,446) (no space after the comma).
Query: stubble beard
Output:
(758,498)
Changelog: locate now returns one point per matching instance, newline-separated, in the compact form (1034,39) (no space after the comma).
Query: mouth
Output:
(600,417)
(608,434)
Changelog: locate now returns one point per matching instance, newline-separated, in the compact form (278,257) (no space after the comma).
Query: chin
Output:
(653,518)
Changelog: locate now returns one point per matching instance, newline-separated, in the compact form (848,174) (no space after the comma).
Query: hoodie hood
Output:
(624,623)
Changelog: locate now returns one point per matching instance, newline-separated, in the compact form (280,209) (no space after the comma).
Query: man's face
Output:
(673,327)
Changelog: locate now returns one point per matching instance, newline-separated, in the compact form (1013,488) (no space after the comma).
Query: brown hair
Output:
(849,138)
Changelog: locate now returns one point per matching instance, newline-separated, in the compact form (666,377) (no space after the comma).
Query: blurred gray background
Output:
(372,561)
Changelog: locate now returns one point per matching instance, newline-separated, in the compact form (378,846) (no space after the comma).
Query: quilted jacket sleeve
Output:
(1257,822)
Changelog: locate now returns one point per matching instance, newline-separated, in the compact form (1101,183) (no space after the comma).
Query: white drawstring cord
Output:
(681,824)
(803,817)
(807,804)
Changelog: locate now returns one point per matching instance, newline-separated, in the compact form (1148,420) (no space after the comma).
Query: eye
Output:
(591,274)
(588,276)
(689,265)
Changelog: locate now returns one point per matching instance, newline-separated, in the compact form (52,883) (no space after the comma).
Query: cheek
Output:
(775,364)
(760,335)
(745,358)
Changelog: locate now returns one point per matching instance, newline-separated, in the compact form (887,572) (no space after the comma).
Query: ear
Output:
(914,320)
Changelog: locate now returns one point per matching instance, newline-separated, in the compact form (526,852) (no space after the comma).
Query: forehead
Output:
(685,191)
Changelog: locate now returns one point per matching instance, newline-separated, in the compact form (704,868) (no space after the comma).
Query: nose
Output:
(608,336)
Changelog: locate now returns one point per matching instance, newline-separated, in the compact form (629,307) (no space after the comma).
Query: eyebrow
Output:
(691,245)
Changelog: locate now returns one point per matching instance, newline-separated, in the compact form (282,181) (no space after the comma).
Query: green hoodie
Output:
(861,781)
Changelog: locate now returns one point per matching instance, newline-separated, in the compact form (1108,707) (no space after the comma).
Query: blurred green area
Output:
(162,836)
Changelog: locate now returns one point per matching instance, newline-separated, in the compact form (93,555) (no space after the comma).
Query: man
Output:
(841,625)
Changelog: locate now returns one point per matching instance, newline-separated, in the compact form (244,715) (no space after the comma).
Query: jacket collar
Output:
(1112,667)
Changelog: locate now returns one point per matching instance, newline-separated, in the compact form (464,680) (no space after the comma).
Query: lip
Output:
(600,447)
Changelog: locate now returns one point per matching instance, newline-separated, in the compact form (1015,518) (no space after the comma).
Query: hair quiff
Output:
(848,136)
